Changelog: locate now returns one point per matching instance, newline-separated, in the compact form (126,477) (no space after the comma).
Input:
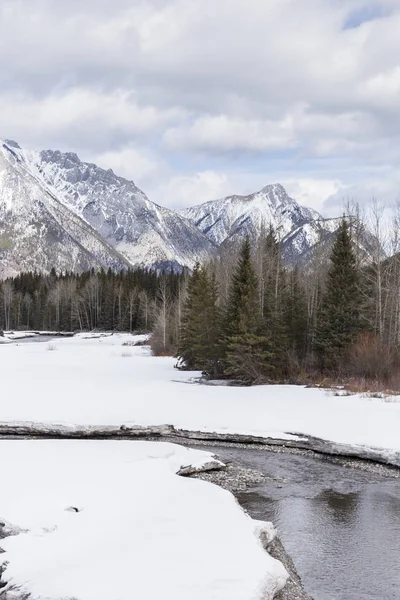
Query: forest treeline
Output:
(125,301)
(243,316)
(257,321)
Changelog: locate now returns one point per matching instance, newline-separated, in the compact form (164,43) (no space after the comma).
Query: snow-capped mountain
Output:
(130,228)
(37,231)
(57,211)
(237,216)
(229,220)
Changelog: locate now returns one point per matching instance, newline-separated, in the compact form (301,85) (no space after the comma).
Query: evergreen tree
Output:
(71,301)
(248,354)
(296,314)
(339,318)
(189,330)
(200,343)
(250,358)
(242,310)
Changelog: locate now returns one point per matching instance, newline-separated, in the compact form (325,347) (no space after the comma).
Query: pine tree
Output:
(296,314)
(242,311)
(200,335)
(189,327)
(250,358)
(339,318)
(248,354)
(69,301)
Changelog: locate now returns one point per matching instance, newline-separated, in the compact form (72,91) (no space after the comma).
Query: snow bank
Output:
(23,335)
(100,382)
(100,520)
(15,336)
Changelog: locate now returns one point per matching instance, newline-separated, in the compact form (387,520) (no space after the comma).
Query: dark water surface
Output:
(340,526)
(33,340)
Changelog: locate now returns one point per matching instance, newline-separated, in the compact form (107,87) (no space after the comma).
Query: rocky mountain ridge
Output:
(130,229)
(228,220)
(57,211)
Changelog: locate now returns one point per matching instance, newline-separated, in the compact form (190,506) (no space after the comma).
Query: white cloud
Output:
(227,134)
(129,162)
(89,118)
(382,186)
(313,192)
(188,93)
(181,191)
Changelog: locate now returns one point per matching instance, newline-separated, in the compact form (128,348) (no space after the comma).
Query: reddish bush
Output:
(161,347)
(371,360)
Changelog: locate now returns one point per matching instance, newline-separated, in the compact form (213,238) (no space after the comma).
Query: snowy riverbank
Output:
(7,337)
(93,386)
(111,519)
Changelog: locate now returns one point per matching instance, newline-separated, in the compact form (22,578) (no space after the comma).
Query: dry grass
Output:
(158,348)
(349,386)
(369,388)
(374,388)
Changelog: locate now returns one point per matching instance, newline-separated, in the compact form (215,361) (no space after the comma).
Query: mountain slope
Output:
(143,232)
(246,215)
(228,221)
(38,232)
(57,211)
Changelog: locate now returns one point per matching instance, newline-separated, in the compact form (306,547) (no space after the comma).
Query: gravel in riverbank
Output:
(293,590)
(234,478)
(238,479)
(351,463)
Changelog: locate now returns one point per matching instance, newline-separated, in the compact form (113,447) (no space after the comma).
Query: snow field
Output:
(94,520)
(87,381)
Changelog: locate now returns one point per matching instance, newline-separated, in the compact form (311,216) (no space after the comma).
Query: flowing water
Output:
(341,526)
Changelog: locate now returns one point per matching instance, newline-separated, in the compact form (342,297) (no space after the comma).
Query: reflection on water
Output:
(342,507)
(341,527)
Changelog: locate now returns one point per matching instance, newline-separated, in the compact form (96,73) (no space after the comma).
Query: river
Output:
(341,526)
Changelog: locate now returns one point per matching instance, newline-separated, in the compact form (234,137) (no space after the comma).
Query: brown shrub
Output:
(158,347)
(369,359)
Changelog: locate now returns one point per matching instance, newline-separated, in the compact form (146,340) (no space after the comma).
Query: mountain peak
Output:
(231,219)
(57,211)
(64,159)
(12,144)
(102,219)
(274,188)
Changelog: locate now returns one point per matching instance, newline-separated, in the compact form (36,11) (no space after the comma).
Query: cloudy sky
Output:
(197,99)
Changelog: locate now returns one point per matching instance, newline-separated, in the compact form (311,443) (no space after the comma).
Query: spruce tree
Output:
(242,310)
(296,314)
(250,358)
(188,331)
(208,344)
(339,318)
(248,354)
(200,335)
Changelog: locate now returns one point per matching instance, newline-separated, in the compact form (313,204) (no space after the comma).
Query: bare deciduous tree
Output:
(8,296)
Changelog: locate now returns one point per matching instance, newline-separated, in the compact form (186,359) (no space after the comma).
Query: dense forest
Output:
(254,320)
(243,316)
(125,301)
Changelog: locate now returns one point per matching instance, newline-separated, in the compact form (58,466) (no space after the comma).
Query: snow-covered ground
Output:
(88,380)
(140,531)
